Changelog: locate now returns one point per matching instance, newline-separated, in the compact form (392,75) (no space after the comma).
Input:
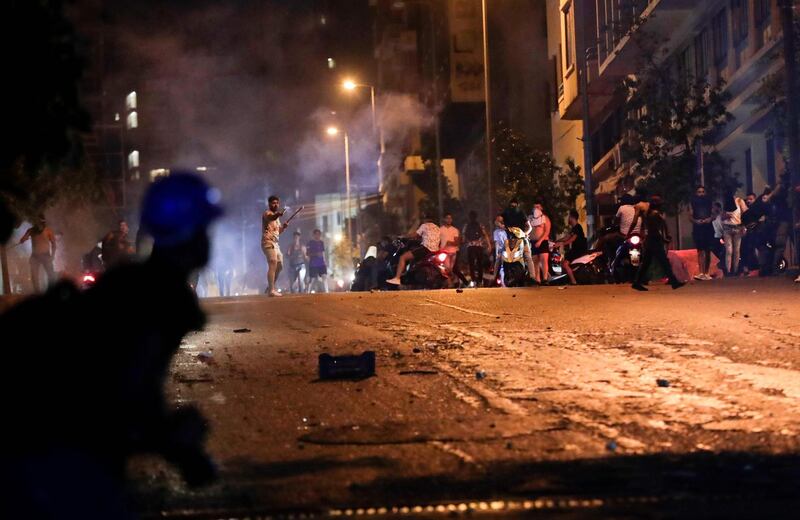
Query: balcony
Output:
(674,20)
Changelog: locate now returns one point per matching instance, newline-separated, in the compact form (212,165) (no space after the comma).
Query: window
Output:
(770,141)
(701,54)
(762,11)
(748,171)
(132,120)
(740,21)
(569,37)
(685,64)
(133,159)
(719,34)
(130,101)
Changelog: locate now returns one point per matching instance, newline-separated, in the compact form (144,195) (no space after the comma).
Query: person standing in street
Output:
(732,230)
(499,237)
(271,229)
(43,250)
(477,244)
(717,246)
(317,267)
(428,232)
(297,263)
(540,243)
(702,231)
(655,246)
(576,240)
(449,240)
(116,245)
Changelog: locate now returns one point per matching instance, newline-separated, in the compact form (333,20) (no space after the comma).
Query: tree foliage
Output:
(671,118)
(42,156)
(533,176)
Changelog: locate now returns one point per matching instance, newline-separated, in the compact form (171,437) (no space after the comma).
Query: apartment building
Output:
(737,41)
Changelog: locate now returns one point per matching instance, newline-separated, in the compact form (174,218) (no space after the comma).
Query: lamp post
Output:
(588,189)
(351,85)
(334,131)
(488,105)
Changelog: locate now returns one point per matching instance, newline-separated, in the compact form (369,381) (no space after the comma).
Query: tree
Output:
(42,156)
(671,117)
(531,175)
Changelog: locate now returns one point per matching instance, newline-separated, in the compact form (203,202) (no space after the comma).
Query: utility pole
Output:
(588,189)
(437,123)
(4,267)
(487,95)
(792,109)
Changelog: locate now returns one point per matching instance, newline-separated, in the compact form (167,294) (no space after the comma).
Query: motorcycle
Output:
(372,272)
(627,259)
(91,267)
(515,272)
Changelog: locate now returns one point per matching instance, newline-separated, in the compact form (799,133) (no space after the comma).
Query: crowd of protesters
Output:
(747,235)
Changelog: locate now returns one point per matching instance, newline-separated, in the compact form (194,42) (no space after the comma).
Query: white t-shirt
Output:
(448,234)
(499,235)
(536,218)
(625,215)
(430,236)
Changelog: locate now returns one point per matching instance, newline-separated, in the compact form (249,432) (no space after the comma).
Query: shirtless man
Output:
(540,243)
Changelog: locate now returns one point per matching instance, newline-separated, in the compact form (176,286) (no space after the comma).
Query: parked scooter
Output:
(627,259)
(429,273)
(91,267)
(515,272)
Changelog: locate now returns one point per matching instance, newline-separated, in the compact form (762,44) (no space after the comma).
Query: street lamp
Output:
(488,105)
(351,85)
(333,131)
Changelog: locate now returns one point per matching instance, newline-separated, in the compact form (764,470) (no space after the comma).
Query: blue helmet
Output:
(176,207)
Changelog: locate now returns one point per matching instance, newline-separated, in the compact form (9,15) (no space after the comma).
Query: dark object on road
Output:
(206,357)
(480,374)
(459,290)
(347,367)
(611,446)
(418,373)
(416,350)
(663,383)
(241,331)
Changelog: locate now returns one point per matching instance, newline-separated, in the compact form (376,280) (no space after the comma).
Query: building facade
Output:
(734,41)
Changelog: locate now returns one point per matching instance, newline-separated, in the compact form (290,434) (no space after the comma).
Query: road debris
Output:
(206,357)
(480,374)
(418,372)
(663,383)
(241,331)
(459,290)
(347,367)
(611,446)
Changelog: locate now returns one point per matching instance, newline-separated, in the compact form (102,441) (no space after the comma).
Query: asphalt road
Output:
(568,402)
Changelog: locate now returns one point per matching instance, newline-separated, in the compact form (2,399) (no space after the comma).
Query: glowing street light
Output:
(350,85)
(333,131)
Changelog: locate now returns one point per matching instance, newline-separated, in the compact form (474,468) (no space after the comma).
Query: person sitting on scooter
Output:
(513,216)
(576,240)
(429,233)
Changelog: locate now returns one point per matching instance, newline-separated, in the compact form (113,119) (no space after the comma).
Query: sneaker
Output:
(394,281)
(707,277)
(797,280)
(678,285)
(699,276)
(639,287)
(274,293)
